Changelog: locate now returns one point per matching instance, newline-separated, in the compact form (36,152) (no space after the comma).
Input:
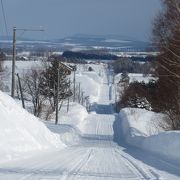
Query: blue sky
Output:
(61,18)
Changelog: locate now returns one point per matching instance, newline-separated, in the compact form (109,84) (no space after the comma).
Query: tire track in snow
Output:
(82,165)
(76,169)
(142,172)
(33,170)
(41,169)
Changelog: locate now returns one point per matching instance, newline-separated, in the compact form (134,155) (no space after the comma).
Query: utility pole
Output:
(179,96)
(82,94)
(79,96)
(14,56)
(68,97)
(68,105)
(74,82)
(13,62)
(115,93)
(57,97)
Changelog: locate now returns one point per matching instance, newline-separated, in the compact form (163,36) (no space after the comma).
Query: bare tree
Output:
(167,37)
(33,90)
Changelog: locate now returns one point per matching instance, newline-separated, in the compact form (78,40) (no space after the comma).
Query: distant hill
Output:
(83,42)
(109,42)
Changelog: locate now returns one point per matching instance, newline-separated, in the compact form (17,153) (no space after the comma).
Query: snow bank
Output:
(70,125)
(90,84)
(21,132)
(141,122)
(69,134)
(140,128)
(76,114)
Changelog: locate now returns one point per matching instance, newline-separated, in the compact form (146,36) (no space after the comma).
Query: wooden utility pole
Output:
(82,94)
(74,83)
(79,96)
(13,62)
(178,99)
(68,105)
(68,98)
(14,56)
(57,97)
(115,93)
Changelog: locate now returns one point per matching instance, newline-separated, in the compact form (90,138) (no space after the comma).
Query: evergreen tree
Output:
(49,83)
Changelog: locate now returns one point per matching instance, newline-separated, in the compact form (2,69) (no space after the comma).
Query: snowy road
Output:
(96,157)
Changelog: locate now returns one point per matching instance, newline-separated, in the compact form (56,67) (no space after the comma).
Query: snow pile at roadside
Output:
(76,114)
(140,121)
(141,129)
(69,134)
(70,123)
(21,132)
(90,84)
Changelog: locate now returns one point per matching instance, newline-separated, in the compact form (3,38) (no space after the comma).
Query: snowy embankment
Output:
(71,123)
(22,133)
(141,129)
(90,83)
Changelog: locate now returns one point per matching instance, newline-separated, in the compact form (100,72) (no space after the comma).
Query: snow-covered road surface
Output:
(95,157)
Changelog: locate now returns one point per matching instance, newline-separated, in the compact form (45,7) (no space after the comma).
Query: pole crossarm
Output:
(66,67)
(21,29)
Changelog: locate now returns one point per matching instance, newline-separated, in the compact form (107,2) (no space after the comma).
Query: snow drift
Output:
(77,113)
(21,132)
(70,123)
(90,84)
(140,129)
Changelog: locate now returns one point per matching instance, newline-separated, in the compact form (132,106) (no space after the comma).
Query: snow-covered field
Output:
(21,67)
(136,77)
(99,145)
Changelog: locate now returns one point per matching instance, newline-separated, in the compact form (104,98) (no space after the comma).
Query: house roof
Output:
(69,68)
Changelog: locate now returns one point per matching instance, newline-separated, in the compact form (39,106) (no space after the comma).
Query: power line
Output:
(4,16)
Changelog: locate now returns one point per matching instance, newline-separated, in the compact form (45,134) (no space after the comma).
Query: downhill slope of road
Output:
(95,157)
